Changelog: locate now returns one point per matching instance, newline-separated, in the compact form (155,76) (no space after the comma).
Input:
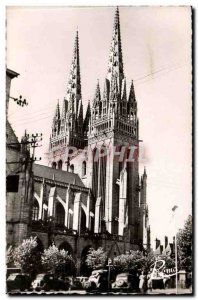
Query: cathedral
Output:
(91,195)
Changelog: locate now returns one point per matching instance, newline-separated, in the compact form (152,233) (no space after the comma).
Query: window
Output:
(84,168)
(72,168)
(60,214)
(54,165)
(60,163)
(12,183)
(35,211)
(83,220)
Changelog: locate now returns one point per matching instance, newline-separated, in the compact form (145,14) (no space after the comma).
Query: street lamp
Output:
(174,209)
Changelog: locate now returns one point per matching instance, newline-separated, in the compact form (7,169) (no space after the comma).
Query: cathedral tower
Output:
(109,166)
(113,128)
(68,127)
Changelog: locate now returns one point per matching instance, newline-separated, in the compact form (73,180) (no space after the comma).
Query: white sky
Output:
(155,41)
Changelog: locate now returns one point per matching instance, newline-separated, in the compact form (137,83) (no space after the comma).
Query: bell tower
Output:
(113,128)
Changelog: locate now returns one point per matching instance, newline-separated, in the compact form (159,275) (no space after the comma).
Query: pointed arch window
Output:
(83,220)
(72,168)
(35,211)
(60,163)
(84,168)
(54,165)
(60,214)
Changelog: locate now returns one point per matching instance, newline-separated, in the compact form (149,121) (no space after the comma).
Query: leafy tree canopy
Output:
(135,261)
(57,261)
(96,259)
(26,256)
(184,246)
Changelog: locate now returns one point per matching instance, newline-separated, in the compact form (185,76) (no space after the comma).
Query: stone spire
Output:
(132,97)
(56,121)
(97,104)
(115,64)
(97,97)
(87,119)
(74,84)
(132,104)
(64,109)
(57,112)
(144,174)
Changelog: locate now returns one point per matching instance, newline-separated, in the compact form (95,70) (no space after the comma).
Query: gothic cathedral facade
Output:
(103,138)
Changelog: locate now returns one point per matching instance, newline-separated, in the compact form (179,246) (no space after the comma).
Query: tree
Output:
(9,256)
(27,257)
(135,261)
(170,262)
(58,262)
(96,259)
(184,246)
(132,262)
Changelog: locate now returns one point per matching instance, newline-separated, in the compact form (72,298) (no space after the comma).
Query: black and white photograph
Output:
(99,150)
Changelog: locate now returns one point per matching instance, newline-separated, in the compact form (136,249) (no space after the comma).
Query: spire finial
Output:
(132,97)
(145,172)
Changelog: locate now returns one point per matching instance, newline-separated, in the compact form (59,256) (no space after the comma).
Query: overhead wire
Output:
(139,80)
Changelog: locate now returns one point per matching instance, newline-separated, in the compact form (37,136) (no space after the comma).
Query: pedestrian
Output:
(166,280)
(142,282)
(149,280)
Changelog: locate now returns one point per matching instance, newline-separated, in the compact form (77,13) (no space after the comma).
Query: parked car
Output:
(97,281)
(18,282)
(12,270)
(78,283)
(124,282)
(83,280)
(47,282)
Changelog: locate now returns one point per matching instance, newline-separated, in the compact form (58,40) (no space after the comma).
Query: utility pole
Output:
(28,140)
(31,141)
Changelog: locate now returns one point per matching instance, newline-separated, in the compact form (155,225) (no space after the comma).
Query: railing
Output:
(49,226)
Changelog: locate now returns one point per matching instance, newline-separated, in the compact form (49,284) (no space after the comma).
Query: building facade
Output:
(90,194)
(19,179)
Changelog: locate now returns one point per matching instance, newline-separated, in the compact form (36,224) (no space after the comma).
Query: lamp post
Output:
(174,209)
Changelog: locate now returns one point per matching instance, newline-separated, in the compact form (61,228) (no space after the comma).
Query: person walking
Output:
(142,282)
(149,280)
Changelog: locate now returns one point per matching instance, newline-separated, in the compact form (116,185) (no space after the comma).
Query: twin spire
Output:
(115,63)
(73,93)
(71,117)
(115,85)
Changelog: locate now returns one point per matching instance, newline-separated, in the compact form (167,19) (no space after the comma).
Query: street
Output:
(83,292)
(170,291)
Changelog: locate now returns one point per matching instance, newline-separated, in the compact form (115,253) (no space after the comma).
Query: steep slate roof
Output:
(10,134)
(61,176)
(12,74)
(11,138)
